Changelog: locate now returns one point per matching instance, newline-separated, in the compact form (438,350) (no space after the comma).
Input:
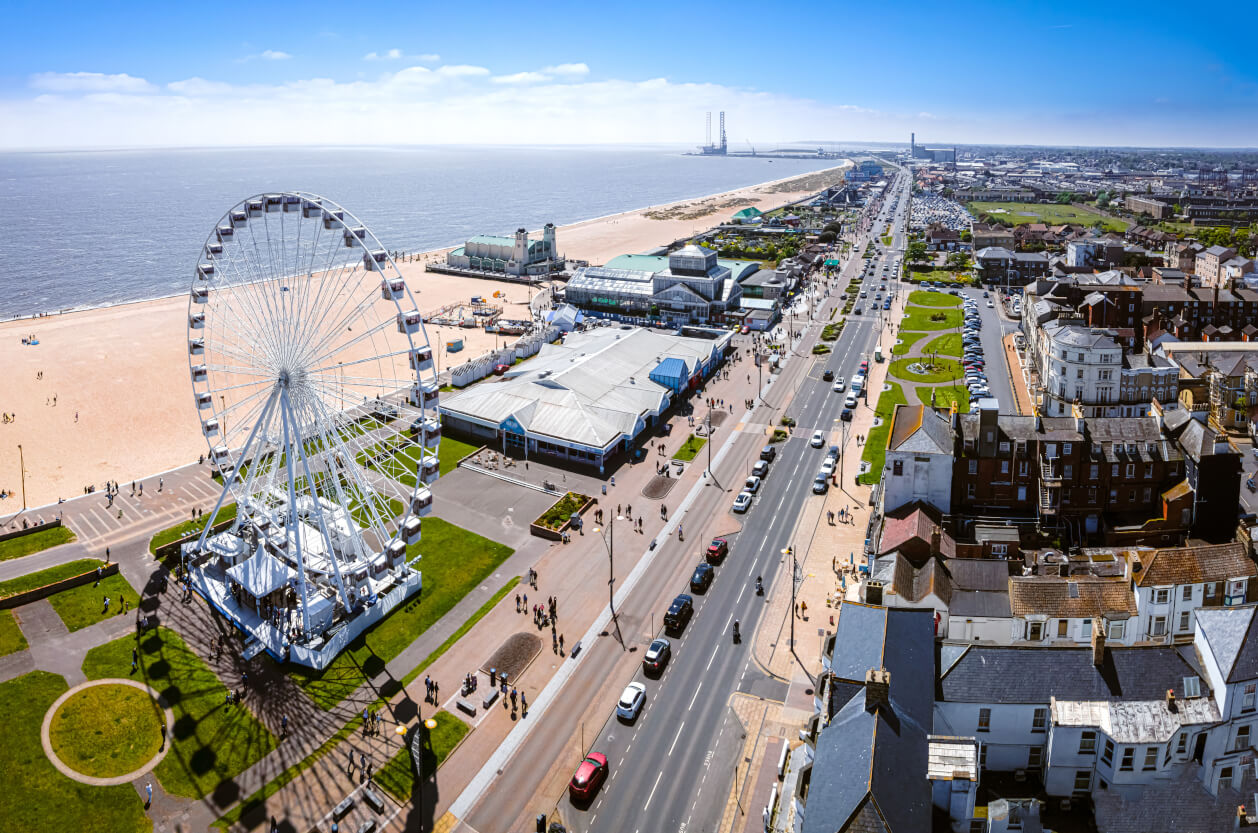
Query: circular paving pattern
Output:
(106,732)
(921,369)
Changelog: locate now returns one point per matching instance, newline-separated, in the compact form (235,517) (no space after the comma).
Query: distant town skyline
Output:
(1066,73)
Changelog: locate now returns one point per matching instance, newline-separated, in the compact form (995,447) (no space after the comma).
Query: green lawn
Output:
(212,742)
(1018,213)
(926,298)
(454,561)
(107,730)
(942,370)
(32,580)
(960,278)
(451,451)
(11,638)
(398,775)
(945,395)
(886,240)
(38,797)
(907,340)
(227,512)
(35,542)
(875,452)
(692,446)
(84,605)
(924,318)
(945,345)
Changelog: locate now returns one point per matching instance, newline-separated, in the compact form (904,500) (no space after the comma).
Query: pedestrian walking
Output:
(98,576)
(436,692)
(284,726)
(517,602)
(561,643)
(148,794)
(106,604)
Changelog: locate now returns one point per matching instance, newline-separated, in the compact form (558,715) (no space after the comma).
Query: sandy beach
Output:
(105,394)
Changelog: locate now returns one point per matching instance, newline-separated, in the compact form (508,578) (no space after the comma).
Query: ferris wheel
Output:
(314,385)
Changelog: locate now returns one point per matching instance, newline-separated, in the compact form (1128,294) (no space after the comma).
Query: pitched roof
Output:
(1230,634)
(1059,598)
(1195,565)
(907,524)
(1009,674)
(921,429)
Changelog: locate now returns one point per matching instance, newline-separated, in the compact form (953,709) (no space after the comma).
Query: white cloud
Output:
(397,55)
(461,71)
(89,82)
(520,78)
(428,57)
(199,86)
(567,69)
(274,55)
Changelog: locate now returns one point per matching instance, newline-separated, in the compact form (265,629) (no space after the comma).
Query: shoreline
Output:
(106,305)
(114,378)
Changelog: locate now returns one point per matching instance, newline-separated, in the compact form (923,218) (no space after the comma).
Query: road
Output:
(673,768)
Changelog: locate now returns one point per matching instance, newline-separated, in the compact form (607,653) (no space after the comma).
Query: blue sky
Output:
(90,74)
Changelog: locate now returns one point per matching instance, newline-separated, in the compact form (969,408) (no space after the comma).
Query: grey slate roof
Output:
(1230,634)
(1179,805)
(870,766)
(999,674)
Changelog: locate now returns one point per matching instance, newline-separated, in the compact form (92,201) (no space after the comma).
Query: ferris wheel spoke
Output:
(327,341)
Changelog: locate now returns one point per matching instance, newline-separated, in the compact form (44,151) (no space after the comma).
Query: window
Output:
(974,467)
(1181,743)
(1211,589)
(1247,703)
(969,490)
(1068,472)
(1022,468)
(1128,762)
(1116,630)
(1113,496)
(1148,494)
(897,467)
(1004,446)
(1242,737)
(1035,631)
(1035,757)
(1079,373)
(1094,471)
(1187,594)
(984,720)
(1236,588)
(1000,549)
(1192,686)
(1185,620)
(1131,470)
(1087,743)
(1004,466)
(1225,777)
(1158,627)
(1066,448)
(1150,758)
(1063,628)
(1083,780)
(1039,720)
(982,756)
(1107,756)
(1113,470)
(1161,596)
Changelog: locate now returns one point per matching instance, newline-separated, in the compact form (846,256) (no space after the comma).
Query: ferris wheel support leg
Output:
(323,527)
(205,531)
(292,510)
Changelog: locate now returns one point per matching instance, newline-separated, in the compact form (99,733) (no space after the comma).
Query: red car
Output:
(717,550)
(865,367)
(500,369)
(589,775)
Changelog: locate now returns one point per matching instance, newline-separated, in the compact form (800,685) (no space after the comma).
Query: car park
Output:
(752,484)
(818,439)
(701,579)
(760,469)
(743,502)
(679,612)
(590,774)
(657,656)
(631,701)
(717,550)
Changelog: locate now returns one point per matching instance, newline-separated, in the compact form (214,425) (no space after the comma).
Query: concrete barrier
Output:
(34,595)
(18,533)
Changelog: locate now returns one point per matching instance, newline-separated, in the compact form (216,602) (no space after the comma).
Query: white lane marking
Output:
(740,594)
(652,795)
(694,696)
(676,737)
(714,648)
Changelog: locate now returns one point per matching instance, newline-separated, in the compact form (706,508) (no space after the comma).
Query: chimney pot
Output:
(1098,641)
(1170,700)
(877,689)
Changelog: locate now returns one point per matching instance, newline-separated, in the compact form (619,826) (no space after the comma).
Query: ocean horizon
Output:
(105,227)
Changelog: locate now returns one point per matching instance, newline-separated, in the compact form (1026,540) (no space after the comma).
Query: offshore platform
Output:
(710,149)
(722,148)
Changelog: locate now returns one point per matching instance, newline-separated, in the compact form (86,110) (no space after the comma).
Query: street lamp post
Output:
(796,580)
(22,465)
(609,545)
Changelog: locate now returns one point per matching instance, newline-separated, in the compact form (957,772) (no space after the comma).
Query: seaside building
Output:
(689,286)
(586,399)
(517,256)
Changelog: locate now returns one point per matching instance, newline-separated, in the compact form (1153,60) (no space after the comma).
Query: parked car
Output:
(717,550)
(630,703)
(850,402)
(679,612)
(820,485)
(590,774)
(818,439)
(752,484)
(827,467)
(702,577)
(846,415)
(768,453)
(743,502)
(760,469)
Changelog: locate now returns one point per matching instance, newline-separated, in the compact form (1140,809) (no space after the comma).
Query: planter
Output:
(578,503)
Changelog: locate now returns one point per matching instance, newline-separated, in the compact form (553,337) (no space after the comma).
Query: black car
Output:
(768,453)
(679,613)
(846,415)
(702,578)
(856,311)
(827,375)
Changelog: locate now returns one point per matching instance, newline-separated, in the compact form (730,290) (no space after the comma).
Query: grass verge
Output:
(38,797)
(945,395)
(692,446)
(1019,213)
(944,345)
(212,742)
(907,340)
(397,777)
(930,318)
(35,542)
(875,452)
(174,533)
(84,605)
(454,561)
(107,730)
(940,370)
(11,638)
(32,580)
(451,451)
(926,298)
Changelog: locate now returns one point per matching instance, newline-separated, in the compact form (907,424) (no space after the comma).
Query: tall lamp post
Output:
(797,579)
(22,465)
(609,543)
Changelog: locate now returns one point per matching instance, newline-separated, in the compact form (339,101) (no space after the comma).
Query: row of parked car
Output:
(972,347)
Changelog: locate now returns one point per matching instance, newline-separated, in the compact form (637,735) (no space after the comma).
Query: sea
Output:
(91,229)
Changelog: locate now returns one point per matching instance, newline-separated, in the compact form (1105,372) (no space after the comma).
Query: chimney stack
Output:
(877,689)
(1170,700)
(935,538)
(1098,641)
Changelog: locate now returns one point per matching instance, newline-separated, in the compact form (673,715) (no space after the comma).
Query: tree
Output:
(958,260)
(916,252)
(966,236)
(827,237)
(1064,198)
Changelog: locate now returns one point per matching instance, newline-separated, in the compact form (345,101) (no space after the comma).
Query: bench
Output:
(373,800)
(368,826)
(465,707)
(490,698)
(341,810)
(576,649)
